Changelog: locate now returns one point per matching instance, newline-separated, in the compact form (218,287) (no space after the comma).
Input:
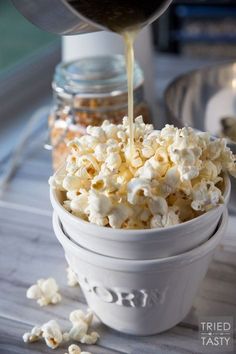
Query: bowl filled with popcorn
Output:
(138,226)
(165,200)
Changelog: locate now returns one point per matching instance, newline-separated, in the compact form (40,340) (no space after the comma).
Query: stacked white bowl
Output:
(140,281)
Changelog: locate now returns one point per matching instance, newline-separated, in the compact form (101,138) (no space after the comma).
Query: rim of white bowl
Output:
(126,233)
(140,265)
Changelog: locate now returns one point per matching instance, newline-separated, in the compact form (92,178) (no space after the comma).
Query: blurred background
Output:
(19,39)
(27,60)
(192,28)
(189,35)
(198,29)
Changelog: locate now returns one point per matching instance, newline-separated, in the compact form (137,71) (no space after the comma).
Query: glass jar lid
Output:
(95,76)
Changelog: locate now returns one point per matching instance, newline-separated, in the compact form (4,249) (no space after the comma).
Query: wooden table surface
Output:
(29,251)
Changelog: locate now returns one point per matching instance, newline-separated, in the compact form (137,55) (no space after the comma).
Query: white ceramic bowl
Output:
(140,297)
(139,244)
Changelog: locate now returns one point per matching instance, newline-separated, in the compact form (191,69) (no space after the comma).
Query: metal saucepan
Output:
(63,16)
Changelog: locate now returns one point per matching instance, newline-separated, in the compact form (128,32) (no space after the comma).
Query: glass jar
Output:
(87,92)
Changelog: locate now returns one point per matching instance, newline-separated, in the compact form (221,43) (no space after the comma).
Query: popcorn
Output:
(71,277)
(156,222)
(99,203)
(182,207)
(80,325)
(52,334)
(158,206)
(215,148)
(78,315)
(209,171)
(170,183)
(168,219)
(185,153)
(173,175)
(113,161)
(119,214)
(97,132)
(79,330)
(147,152)
(90,338)
(138,188)
(75,349)
(57,180)
(78,203)
(204,195)
(49,331)
(45,291)
(33,336)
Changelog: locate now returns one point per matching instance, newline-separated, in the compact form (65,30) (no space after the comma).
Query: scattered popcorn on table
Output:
(75,349)
(78,330)
(78,315)
(33,336)
(45,291)
(52,334)
(71,277)
(80,326)
(91,338)
(174,175)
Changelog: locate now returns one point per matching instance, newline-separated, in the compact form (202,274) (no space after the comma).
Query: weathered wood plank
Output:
(30,184)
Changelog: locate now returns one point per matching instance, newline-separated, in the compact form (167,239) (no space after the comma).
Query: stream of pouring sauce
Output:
(129,38)
(125,17)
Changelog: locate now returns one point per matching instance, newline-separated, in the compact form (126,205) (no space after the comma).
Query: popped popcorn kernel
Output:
(80,325)
(45,291)
(74,349)
(91,338)
(72,279)
(52,334)
(49,331)
(33,336)
(205,194)
(78,330)
(173,175)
